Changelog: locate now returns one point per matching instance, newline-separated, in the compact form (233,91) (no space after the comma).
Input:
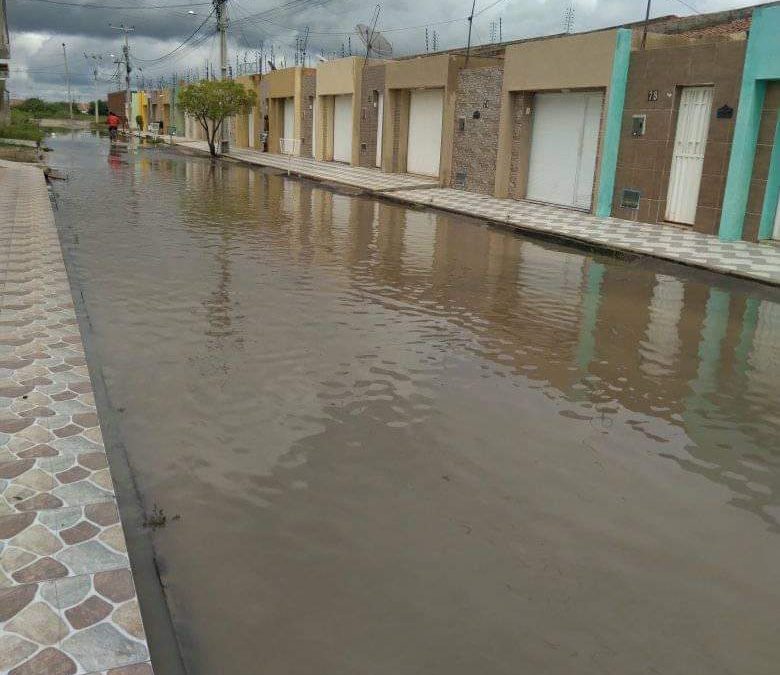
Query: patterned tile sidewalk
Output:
(67,599)
(759,262)
(368,179)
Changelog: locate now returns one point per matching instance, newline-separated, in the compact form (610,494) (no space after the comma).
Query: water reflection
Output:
(431,435)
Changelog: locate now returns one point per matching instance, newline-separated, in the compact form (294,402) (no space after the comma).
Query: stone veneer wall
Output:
(308,92)
(476,147)
(644,162)
(764,146)
(373,80)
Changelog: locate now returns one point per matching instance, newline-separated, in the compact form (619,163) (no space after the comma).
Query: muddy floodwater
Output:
(405,442)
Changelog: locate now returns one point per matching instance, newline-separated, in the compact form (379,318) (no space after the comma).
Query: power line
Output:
(137,7)
(186,40)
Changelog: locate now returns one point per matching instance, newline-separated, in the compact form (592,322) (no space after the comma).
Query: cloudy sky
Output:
(39,27)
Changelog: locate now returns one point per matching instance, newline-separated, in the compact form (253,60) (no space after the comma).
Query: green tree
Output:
(102,108)
(211,102)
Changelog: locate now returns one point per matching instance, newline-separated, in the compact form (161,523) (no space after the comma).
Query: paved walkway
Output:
(759,262)
(67,598)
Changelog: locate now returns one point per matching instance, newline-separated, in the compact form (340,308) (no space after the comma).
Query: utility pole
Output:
(95,58)
(471,23)
(644,29)
(67,79)
(220,7)
(128,70)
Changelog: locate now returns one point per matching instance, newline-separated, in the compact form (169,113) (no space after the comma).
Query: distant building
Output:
(5,55)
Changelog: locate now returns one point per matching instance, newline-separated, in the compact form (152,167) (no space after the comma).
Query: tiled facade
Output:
(644,162)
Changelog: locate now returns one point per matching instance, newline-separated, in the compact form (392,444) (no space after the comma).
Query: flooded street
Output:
(405,442)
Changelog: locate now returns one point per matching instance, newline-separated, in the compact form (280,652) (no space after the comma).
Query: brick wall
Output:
(764,146)
(644,162)
(308,91)
(373,81)
(116,103)
(475,149)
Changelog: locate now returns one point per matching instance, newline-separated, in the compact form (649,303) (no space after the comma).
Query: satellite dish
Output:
(376,43)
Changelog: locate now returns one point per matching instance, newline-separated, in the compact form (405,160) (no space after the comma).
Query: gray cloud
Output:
(38,30)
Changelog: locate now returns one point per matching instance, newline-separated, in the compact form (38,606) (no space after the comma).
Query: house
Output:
(682,98)
(287,108)
(418,113)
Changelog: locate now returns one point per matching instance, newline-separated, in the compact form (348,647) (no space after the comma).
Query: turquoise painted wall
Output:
(613,123)
(767,226)
(762,63)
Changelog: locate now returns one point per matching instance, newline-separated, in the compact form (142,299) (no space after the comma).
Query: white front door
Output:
(426,109)
(776,234)
(690,142)
(251,129)
(342,128)
(380,114)
(564,146)
(288,130)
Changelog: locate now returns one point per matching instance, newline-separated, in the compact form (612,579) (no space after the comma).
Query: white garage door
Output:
(564,144)
(425,119)
(289,118)
(342,128)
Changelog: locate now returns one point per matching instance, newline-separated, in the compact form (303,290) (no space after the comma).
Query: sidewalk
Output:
(67,598)
(758,262)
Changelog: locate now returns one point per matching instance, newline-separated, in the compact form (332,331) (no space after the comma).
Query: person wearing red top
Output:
(113,125)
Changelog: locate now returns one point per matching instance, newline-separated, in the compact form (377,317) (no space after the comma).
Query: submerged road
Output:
(392,440)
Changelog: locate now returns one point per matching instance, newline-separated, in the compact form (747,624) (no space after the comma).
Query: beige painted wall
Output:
(569,62)
(573,61)
(338,77)
(281,83)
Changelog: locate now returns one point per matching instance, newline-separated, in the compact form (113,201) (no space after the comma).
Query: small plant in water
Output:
(157,518)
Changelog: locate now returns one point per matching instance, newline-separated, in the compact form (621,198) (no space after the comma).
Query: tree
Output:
(102,107)
(211,102)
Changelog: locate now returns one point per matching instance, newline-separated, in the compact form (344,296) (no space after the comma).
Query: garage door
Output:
(289,118)
(342,128)
(425,119)
(564,144)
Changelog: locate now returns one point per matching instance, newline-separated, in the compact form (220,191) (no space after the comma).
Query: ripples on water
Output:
(406,442)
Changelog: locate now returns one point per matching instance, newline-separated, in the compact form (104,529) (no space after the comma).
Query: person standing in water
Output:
(113,125)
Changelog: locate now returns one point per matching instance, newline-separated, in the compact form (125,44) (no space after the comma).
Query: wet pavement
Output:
(402,441)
